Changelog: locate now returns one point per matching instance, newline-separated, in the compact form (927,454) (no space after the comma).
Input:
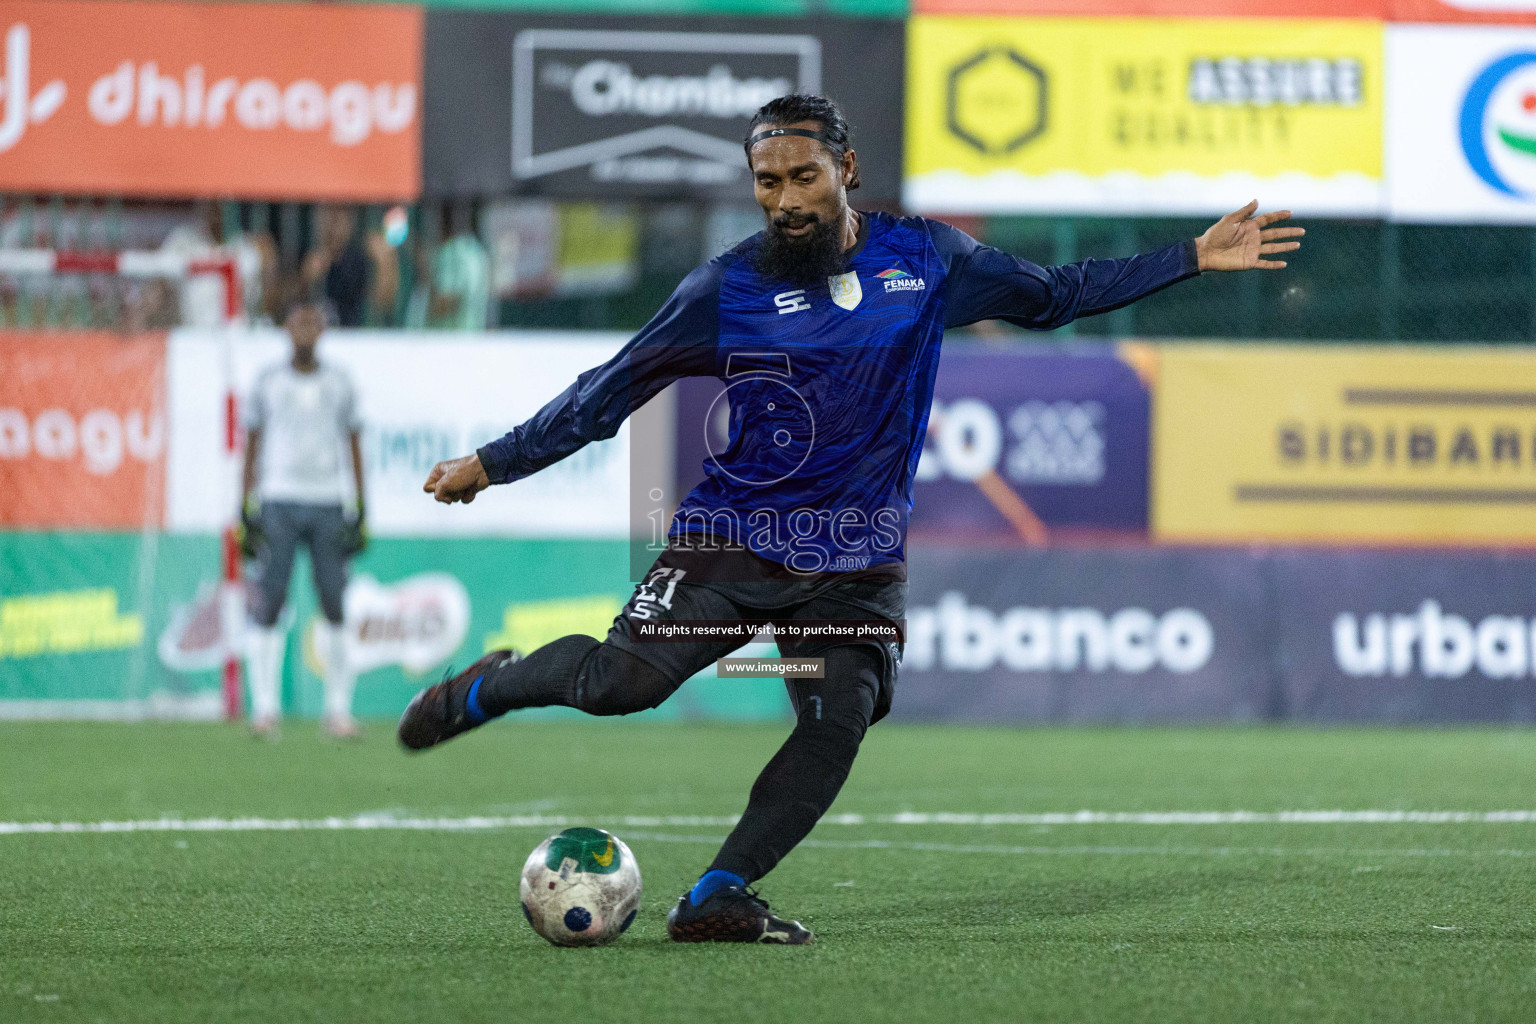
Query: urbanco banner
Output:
(423,397)
(1103,116)
(608,107)
(256,100)
(1064,635)
(1218,634)
(1405,636)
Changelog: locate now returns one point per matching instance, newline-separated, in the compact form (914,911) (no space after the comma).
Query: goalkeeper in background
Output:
(300,418)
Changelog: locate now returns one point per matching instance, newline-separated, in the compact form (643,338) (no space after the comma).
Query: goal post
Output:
(150,264)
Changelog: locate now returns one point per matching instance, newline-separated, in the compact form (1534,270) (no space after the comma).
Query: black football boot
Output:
(733,913)
(445,709)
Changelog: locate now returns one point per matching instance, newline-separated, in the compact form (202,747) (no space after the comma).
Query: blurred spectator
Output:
(153,306)
(459,297)
(202,295)
(356,273)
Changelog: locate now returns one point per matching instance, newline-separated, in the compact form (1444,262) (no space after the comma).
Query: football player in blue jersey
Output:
(825,328)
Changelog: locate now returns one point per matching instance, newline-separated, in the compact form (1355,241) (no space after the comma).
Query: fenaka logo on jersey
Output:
(647,108)
(898,280)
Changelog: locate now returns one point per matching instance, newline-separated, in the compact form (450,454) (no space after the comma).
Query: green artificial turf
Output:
(933,922)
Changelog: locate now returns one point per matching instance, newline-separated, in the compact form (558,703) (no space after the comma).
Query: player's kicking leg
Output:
(601,678)
(443,711)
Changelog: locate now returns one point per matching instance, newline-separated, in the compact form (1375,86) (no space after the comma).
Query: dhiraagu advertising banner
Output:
(1143,115)
(1357,444)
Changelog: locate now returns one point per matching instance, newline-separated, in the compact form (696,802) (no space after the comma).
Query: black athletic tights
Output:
(798,784)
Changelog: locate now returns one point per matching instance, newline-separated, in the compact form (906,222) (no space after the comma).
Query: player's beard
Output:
(812,257)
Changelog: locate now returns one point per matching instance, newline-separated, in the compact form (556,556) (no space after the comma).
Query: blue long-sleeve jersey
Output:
(829,384)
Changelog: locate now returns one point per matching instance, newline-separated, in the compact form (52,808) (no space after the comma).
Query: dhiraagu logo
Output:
(1498,125)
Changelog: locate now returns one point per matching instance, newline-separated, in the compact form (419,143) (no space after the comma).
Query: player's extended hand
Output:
(457,480)
(1238,240)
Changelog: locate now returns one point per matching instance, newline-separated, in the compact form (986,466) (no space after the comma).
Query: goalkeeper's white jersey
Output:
(305,420)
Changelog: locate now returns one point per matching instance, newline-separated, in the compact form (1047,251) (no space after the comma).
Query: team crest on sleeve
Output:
(845,290)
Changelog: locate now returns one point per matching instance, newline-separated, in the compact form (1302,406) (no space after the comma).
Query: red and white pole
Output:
(233,609)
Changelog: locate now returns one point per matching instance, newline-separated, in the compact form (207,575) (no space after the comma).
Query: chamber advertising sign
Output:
(606,106)
(1143,116)
(1357,444)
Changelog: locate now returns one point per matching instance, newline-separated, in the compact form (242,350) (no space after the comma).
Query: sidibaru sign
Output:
(272,101)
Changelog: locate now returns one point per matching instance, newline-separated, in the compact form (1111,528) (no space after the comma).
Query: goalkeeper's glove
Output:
(356,541)
(249,532)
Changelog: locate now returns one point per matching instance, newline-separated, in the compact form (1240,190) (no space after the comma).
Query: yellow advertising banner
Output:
(1143,115)
(1357,444)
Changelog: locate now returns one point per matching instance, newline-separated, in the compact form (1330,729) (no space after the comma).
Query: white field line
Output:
(1107,851)
(476,823)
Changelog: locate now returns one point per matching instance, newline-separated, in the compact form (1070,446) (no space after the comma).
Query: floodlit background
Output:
(1296,496)
(1239,516)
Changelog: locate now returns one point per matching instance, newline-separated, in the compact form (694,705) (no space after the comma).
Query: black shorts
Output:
(689,584)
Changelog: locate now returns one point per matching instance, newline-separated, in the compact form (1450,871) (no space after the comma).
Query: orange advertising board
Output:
(1375,9)
(259,100)
(1508,12)
(82,431)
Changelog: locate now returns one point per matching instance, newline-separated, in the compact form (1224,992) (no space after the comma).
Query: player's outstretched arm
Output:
(457,480)
(679,341)
(1241,239)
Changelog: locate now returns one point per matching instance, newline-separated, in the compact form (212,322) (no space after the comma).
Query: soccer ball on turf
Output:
(581,887)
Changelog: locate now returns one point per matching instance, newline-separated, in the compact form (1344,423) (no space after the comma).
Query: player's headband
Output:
(804,132)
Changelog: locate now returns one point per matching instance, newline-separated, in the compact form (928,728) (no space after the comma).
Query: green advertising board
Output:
(129,625)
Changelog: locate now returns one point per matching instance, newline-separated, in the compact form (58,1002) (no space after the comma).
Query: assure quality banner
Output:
(1178,116)
(1461,124)
(1368,444)
(265,101)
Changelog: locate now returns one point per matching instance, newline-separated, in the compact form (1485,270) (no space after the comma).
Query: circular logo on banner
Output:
(1498,125)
